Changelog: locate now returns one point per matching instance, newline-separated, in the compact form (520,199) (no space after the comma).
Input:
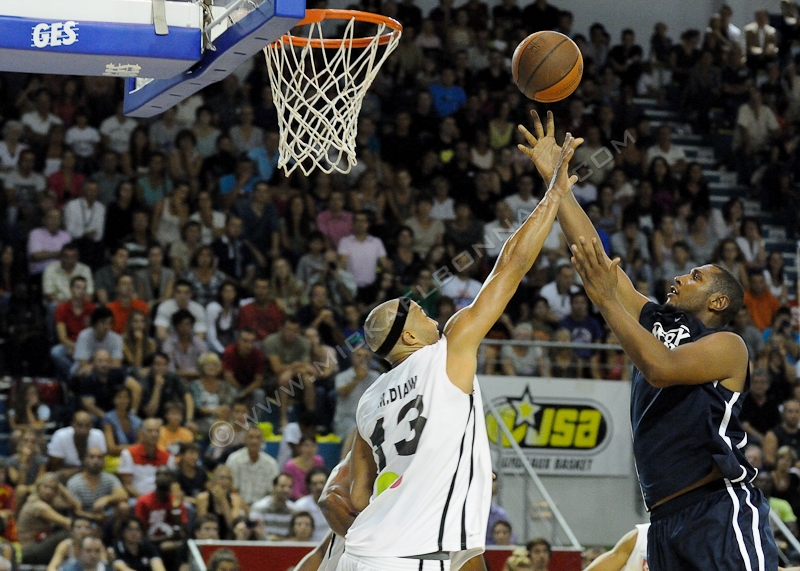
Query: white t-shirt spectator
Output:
(362,257)
(7,159)
(88,344)
(463,292)
(168,308)
(118,133)
(559,303)
(35,123)
(444,210)
(758,128)
(495,236)
(672,156)
(62,445)
(291,435)
(521,207)
(82,141)
(80,219)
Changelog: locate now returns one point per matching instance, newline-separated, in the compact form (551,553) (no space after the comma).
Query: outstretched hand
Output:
(560,181)
(544,151)
(599,279)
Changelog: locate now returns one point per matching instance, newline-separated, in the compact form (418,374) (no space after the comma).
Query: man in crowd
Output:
(183,347)
(94,488)
(361,253)
(253,469)
(57,277)
(139,463)
(125,302)
(234,256)
(181,299)
(162,386)
(68,446)
(275,510)
(72,317)
(320,314)
(335,223)
(759,301)
(164,516)
(97,389)
(350,386)
(243,364)
(45,243)
(288,355)
(262,315)
(787,433)
(105,279)
(97,336)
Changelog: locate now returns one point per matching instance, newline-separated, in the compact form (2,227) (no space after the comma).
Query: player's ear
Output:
(719,302)
(408,337)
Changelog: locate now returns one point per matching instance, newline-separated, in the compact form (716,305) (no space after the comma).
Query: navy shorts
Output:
(718,527)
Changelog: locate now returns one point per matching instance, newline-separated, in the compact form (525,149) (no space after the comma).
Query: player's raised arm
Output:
(467,328)
(544,153)
(687,364)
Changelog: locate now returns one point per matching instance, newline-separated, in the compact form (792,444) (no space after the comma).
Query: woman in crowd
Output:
(155,185)
(663,239)
(242,529)
(119,215)
(665,189)
(299,466)
(28,412)
(775,275)
(41,527)
(752,244)
(287,291)
(184,162)
(204,277)
(66,183)
(132,550)
(210,391)
(204,132)
(137,345)
(701,239)
(727,221)
(170,214)
(212,221)
(121,425)
(222,317)
(728,255)
(221,500)
(694,188)
(301,527)
(406,262)
(295,227)
(155,282)
(136,161)
(786,482)
(26,466)
(182,252)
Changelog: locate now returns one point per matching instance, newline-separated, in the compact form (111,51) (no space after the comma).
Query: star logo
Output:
(525,410)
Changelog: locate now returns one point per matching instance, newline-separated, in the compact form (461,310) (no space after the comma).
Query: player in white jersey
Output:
(421,469)
(339,513)
(630,553)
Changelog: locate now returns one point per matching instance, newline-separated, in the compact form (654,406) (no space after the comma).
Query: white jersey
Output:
(332,554)
(638,557)
(434,484)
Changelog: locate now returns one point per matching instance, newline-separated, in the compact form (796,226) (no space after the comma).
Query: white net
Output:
(318,92)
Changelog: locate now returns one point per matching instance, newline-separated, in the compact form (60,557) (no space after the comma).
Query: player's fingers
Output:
(551,125)
(577,252)
(528,136)
(537,125)
(587,251)
(573,179)
(577,142)
(599,252)
(615,263)
(524,149)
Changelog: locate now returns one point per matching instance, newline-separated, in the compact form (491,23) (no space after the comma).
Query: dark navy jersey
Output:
(680,432)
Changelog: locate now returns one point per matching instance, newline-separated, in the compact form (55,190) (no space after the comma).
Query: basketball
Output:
(547,66)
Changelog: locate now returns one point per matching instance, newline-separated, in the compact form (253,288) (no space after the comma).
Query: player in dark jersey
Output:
(686,393)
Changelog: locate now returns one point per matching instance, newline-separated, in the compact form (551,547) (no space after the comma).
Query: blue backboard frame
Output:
(235,46)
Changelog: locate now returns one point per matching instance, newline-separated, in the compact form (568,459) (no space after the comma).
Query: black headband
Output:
(397,328)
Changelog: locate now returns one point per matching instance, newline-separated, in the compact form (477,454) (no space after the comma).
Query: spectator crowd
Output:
(173,280)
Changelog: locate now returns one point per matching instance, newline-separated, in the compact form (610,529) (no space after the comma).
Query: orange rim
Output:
(315,16)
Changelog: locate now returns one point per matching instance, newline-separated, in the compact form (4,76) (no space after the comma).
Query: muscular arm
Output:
(467,328)
(574,221)
(335,504)
(616,559)
(363,472)
(313,559)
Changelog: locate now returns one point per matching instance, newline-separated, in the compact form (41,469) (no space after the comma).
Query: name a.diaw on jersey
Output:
(398,392)
(55,34)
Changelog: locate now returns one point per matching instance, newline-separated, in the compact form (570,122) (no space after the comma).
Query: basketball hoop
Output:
(319,84)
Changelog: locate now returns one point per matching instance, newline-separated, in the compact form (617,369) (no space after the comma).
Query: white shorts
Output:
(351,563)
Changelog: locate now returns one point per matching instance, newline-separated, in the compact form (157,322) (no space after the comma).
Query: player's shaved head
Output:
(379,323)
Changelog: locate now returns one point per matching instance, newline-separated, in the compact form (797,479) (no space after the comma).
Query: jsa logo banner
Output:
(563,426)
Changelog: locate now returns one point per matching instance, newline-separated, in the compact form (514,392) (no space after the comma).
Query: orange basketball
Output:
(547,66)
